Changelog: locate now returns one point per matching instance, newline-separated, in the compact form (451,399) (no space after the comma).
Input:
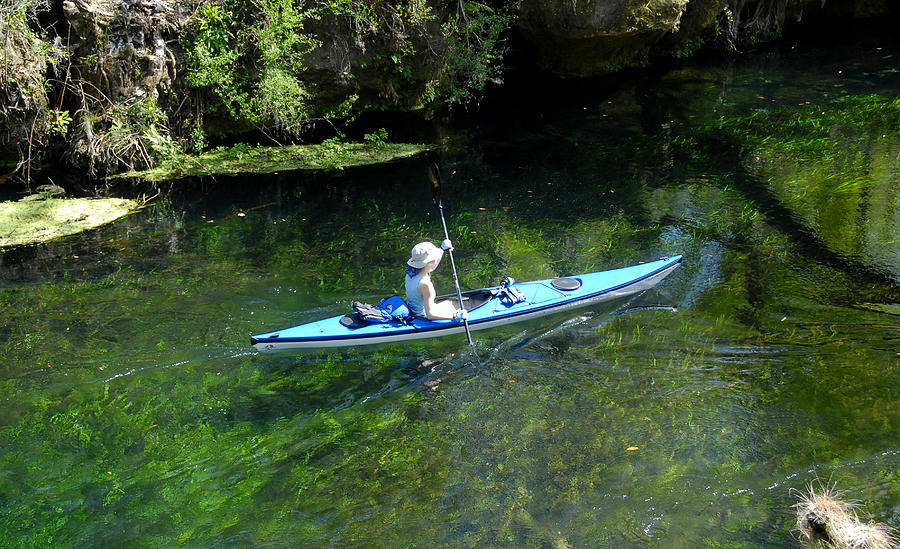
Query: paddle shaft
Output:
(453,268)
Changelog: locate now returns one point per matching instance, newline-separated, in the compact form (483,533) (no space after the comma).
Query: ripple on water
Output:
(751,354)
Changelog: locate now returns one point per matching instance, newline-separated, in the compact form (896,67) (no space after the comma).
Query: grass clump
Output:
(332,154)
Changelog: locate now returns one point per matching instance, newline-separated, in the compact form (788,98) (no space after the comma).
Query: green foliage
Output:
(376,139)
(692,46)
(270,33)
(212,54)
(280,39)
(198,140)
(136,135)
(363,14)
(476,47)
(60,121)
(272,38)
(162,144)
(25,54)
(23,40)
(334,153)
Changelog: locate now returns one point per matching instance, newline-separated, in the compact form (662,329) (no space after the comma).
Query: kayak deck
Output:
(484,310)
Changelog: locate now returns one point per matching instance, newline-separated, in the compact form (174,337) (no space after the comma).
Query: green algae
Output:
(36,219)
(244,159)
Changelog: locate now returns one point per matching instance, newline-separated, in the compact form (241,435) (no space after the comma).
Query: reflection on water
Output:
(137,414)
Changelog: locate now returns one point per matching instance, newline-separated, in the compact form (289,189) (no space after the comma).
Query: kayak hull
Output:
(542,299)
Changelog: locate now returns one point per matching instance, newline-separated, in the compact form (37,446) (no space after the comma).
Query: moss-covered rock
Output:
(331,155)
(37,219)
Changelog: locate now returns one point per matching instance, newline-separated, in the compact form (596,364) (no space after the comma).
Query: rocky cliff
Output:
(587,38)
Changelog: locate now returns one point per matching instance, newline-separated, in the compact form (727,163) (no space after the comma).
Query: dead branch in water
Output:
(825,521)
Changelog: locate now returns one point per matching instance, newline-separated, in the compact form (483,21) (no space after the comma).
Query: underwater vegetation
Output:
(243,159)
(830,168)
(135,413)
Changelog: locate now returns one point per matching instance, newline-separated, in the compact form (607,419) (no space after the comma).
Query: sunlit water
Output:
(136,414)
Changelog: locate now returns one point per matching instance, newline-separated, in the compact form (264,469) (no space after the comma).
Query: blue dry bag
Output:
(396,308)
(389,310)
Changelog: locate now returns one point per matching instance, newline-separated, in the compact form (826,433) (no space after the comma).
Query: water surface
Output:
(136,414)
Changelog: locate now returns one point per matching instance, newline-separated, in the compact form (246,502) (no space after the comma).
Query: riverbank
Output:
(102,87)
(245,159)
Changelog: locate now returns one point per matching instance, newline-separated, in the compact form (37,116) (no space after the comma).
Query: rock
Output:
(585,38)
(30,221)
(362,62)
(122,57)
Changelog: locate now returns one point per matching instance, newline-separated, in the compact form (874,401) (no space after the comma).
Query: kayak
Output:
(486,307)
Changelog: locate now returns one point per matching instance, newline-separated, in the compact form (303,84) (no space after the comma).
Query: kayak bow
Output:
(486,310)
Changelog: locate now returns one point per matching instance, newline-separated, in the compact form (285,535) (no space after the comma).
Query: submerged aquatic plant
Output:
(827,521)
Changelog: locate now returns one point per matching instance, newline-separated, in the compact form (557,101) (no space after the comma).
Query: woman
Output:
(420,292)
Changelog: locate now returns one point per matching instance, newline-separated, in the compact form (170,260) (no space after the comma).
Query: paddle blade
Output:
(434,175)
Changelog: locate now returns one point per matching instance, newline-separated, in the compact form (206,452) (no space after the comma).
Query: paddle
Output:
(435,175)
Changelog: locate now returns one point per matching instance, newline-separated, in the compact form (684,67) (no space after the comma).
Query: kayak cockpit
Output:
(471,299)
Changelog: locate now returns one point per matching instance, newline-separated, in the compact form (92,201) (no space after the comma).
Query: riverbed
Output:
(135,413)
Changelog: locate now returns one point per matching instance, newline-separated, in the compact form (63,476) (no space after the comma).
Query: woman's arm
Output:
(434,311)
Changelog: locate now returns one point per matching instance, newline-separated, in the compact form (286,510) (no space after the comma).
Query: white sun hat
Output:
(424,253)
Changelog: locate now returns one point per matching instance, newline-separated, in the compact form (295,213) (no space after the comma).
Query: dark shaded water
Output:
(135,413)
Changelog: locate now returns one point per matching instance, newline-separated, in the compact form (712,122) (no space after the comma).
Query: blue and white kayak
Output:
(485,308)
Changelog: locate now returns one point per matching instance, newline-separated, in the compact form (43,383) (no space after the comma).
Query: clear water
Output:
(135,413)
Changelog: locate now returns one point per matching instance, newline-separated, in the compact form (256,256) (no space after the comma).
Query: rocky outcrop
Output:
(126,98)
(23,91)
(592,37)
(383,61)
(121,45)
(123,61)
